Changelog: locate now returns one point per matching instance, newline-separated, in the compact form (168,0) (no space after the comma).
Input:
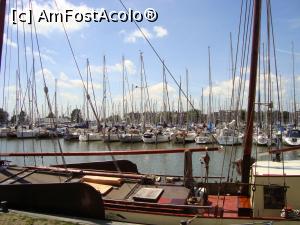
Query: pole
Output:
(251,97)
(2,22)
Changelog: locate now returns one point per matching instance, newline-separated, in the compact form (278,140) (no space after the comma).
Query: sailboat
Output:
(117,191)
(292,137)
(228,135)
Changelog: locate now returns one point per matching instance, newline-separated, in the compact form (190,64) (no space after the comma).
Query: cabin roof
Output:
(269,168)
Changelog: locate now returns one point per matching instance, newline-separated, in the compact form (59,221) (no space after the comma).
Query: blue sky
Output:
(181,35)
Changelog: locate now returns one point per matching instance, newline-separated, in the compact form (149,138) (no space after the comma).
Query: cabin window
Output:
(274,197)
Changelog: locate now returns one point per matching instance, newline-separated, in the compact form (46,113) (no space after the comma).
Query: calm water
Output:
(171,164)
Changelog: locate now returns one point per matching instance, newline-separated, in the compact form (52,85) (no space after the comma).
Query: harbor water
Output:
(171,164)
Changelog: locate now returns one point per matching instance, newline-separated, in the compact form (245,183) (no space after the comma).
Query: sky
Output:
(181,36)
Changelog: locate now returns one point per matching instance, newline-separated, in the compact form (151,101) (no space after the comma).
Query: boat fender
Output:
(4,207)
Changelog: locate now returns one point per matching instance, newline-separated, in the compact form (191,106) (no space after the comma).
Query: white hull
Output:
(3,132)
(131,138)
(90,137)
(26,134)
(110,137)
(229,140)
(291,141)
(261,140)
(159,138)
(203,140)
(190,137)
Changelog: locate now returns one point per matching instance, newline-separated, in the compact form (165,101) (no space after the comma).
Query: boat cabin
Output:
(272,180)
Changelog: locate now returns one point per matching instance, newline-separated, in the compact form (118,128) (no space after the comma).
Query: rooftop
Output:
(269,168)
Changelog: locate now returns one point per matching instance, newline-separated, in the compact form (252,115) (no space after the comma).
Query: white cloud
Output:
(115,68)
(63,76)
(9,42)
(155,93)
(287,52)
(70,97)
(223,90)
(133,36)
(160,31)
(46,28)
(49,77)
(44,56)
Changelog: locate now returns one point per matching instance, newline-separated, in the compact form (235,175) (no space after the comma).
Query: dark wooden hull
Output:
(75,199)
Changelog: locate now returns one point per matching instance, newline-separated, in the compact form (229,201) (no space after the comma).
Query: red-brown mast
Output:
(251,97)
(2,22)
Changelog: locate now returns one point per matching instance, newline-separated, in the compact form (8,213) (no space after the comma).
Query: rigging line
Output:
(274,52)
(220,182)
(77,66)
(18,64)
(242,58)
(275,59)
(247,55)
(157,54)
(45,85)
(93,91)
(9,70)
(5,57)
(25,54)
(147,103)
(236,55)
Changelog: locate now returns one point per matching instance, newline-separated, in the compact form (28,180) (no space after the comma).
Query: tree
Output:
(3,116)
(76,116)
(22,117)
(51,115)
(243,115)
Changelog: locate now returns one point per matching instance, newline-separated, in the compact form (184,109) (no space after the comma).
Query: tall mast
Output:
(104,93)
(2,22)
(141,87)
(233,79)
(87,88)
(187,98)
(202,112)
(55,99)
(294,88)
(251,97)
(123,87)
(209,120)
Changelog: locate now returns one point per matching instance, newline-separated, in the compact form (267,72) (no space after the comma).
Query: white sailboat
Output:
(292,137)
(152,137)
(228,136)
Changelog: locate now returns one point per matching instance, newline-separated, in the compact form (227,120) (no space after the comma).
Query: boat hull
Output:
(90,137)
(131,138)
(168,219)
(75,199)
(156,139)
(291,141)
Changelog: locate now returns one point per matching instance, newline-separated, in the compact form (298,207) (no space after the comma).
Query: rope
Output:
(45,86)
(77,67)
(269,14)
(158,55)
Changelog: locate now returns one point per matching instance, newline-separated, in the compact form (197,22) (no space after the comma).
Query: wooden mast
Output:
(251,96)
(2,22)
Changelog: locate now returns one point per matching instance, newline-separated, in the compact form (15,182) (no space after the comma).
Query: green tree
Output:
(22,117)
(76,116)
(51,115)
(13,119)
(3,116)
